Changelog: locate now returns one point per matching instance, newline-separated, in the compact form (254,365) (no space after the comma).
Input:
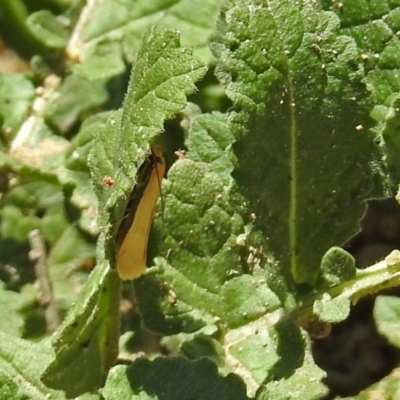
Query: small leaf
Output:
(17,93)
(337,265)
(73,98)
(48,29)
(332,310)
(102,60)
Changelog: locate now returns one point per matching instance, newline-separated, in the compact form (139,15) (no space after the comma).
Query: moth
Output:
(133,233)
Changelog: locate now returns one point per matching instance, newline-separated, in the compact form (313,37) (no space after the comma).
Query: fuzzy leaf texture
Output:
(21,363)
(302,125)
(172,378)
(374,26)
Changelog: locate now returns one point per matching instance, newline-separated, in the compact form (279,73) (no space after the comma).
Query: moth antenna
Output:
(162,212)
(162,203)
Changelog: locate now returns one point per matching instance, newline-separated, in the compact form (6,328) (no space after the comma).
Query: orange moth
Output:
(133,233)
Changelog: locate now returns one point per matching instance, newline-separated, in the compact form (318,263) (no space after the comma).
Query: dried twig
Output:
(38,256)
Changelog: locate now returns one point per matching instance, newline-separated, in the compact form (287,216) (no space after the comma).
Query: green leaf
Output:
(66,257)
(378,42)
(35,145)
(33,205)
(102,61)
(23,362)
(78,151)
(391,137)
(77,174)
(337,265)
(72,99)
(48,29)
(87,342)
(17,92)
(38,205)
(332,310)
(172,378)
(245,301)
(209,141)
(376,38)
(302,124)
(103,43)
(387,317)
(199,346)
(294,388)
(10,304)
(9,389)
